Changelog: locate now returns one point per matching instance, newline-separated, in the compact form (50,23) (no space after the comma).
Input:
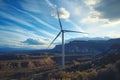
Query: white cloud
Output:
(31,41)
(88,20)
(64,14)
(95,20)
(91,2)
(94,13)
(113,34)
(93,17)
(77,10)
(96,17)
(112,24)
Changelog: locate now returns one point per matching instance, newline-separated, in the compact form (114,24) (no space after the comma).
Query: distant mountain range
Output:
(88,38)
(89,46)
(81,46)
(9,50)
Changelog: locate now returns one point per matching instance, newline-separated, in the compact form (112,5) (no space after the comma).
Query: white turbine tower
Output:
(63,47)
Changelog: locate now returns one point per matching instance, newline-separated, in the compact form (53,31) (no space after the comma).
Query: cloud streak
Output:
(25,23)
(50,4)
(36,19)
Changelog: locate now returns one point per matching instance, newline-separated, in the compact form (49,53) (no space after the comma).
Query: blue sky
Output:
(33,23)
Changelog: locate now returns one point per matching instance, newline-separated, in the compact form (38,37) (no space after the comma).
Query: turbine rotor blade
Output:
(59,19)
(75,31)
(54,39)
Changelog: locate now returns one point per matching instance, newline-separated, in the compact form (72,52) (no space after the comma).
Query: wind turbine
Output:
(63,31)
